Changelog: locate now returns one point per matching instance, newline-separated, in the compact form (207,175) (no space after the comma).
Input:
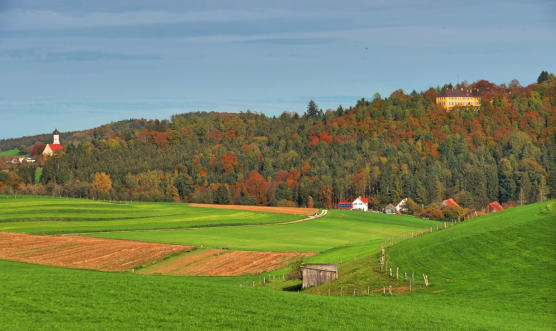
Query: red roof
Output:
(55,147)
(494,207)
(365,200)
(450,203)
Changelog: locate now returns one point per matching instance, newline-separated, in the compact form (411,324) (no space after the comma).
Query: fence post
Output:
(397,272)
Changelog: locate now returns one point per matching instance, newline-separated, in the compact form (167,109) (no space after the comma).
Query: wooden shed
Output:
(315,274)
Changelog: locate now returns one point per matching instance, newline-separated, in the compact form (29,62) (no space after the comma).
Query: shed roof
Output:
(322,267)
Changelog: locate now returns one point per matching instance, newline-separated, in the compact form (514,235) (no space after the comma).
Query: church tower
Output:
(56,137)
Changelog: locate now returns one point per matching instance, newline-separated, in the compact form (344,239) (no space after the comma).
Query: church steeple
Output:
(56,137)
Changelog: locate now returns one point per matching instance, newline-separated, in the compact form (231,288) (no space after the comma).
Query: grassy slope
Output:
(11,152)
(31,214)
(493,272)
(337,229)
(41,297)
(503,261)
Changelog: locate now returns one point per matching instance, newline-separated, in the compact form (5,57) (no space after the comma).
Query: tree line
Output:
(404,145)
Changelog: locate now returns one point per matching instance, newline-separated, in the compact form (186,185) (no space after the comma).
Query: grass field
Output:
(48,215)
(11,152)
(492,272)
(335,230)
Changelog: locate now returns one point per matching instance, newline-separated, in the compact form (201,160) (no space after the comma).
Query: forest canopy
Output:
(386,149)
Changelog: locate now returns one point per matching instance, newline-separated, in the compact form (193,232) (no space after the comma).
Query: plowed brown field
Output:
(83,252)
(280,210)
(227,263)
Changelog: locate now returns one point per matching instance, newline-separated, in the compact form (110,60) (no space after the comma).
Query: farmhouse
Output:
(358,204)
(361,204)
(315,274)
(450,203)
(55,146)
(494,207)
(400,207)
(390,209)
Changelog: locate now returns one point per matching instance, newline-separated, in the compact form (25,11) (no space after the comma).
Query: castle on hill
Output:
(450,98)
(55,146)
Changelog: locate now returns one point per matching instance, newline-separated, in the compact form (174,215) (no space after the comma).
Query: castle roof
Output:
(459,93)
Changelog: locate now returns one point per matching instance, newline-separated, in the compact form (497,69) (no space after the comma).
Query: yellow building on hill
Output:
(450,98)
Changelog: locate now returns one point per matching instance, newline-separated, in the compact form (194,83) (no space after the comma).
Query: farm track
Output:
(83,252)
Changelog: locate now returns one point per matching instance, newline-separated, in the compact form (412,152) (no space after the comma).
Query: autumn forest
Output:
(385,149)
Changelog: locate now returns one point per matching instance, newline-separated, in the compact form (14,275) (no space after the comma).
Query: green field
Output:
(11,152)
(48,215)
(337,229)
(491,272)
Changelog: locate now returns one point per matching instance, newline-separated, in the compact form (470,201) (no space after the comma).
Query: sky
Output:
(77,64)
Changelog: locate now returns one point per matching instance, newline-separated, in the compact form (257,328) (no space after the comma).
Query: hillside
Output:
(386,149)
(493,272)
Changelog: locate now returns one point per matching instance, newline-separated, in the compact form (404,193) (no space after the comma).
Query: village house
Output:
(494,207)
(450,203)
(450,98)
(55,146)
(361,204)
(390,209)
(401,207)
(358,204)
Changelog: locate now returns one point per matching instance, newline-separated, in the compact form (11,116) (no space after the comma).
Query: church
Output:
(55,146)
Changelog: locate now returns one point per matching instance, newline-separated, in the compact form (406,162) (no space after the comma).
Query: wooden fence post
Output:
(390,289)
(397,273)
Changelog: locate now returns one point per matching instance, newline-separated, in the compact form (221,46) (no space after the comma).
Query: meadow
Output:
(11,152)
(50,215)
(491,272)
(337,229)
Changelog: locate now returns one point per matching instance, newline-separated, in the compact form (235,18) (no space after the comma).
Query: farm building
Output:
(315,274)
(361,204)
(494,207)
(450,203)
(390,209)
(400,207)
(345,205)
(358,204)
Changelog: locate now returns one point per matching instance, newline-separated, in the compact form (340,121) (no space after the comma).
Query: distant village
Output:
(362,204)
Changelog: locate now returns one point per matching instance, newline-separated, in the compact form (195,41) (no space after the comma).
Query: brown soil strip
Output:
(279,210)
(83,252)
(182,261)
(235,263)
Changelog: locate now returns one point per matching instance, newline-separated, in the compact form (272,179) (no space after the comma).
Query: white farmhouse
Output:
(360,204)
(401,207)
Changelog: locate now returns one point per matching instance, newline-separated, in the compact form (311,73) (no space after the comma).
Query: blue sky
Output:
(75,64)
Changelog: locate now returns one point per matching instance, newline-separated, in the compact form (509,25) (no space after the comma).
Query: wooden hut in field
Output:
(315,274)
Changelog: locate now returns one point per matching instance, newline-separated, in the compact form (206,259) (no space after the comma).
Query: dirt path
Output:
(83,252)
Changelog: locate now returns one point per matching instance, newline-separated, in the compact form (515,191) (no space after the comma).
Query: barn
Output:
(315,274)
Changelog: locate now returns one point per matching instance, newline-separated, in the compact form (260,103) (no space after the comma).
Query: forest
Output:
(386,149)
